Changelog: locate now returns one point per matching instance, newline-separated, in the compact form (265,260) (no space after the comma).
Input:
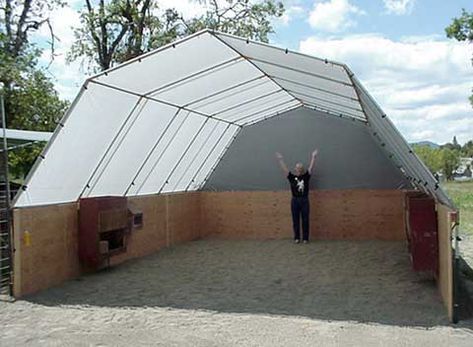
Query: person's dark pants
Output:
(300,208)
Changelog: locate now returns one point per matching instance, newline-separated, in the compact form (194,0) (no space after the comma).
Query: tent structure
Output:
(178,145)
(183,118)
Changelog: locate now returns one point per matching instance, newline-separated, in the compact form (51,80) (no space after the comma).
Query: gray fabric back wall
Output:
(349,158)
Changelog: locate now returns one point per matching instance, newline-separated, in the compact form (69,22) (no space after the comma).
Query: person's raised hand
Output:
(279,155)
(315,152)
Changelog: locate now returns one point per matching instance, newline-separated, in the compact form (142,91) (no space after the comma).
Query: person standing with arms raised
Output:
(300,207)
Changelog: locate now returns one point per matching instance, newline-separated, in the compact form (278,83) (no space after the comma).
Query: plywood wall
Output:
(167,220)
(51,256)
(184,216)
(445,276)
(335,214)
(45,241)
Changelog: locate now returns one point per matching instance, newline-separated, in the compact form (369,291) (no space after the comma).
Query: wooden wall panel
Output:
(335,214)
(153,235)
(184,217)
(445,276)
(246,215)
(358,215)
(51,256)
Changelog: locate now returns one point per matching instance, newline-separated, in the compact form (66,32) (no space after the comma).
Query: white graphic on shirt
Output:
(300,185)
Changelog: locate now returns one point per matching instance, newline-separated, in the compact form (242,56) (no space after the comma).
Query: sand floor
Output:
(243,293)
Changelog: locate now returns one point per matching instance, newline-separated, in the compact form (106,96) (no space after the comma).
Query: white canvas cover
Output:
(161,122)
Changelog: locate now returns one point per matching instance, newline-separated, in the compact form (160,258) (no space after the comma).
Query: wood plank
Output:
(445,278)
(335,214)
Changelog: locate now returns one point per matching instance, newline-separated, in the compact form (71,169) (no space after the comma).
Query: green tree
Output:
(467,149)
(22,159)
(18,21)
(461,29)
(115,31)
(238,17)
(30,99)
(450,161)
(35,104)
(431,157)
(445,159)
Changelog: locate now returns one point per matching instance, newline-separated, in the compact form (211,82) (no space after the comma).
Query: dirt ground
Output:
(466,248)
(243,293)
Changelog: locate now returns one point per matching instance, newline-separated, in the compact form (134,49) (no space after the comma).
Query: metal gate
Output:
(5,216)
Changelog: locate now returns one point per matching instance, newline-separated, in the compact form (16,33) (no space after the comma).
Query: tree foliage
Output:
(467,149)
(238,17)
(35,104)
(461,29)
(22,18)
(450,160)
(30,99)
(115,31)
(18,64)
(445,158)
(430,156)
(22,159)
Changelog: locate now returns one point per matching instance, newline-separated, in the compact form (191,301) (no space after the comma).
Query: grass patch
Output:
(462,195)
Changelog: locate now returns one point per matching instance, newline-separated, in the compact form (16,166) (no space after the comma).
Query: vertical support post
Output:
(456,265)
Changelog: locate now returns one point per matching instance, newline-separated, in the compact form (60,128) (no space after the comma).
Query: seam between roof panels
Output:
(299,71)
(333,62)
(254,65)
(123,90)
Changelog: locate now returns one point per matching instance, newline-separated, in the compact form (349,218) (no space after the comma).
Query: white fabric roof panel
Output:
(320,95)
(72,155)
(177,148)
(166,151)
(271,111)
(169,65)
(189,91)
(263,52)
(183,178)
(219,105)
(279,71)
(162,122)
(129,150)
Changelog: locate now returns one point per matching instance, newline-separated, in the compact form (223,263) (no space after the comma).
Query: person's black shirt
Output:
(299,184)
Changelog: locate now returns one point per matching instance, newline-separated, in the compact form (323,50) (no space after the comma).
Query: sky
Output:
(397,49)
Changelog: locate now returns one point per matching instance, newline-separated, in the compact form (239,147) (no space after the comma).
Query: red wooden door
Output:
(423,237)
